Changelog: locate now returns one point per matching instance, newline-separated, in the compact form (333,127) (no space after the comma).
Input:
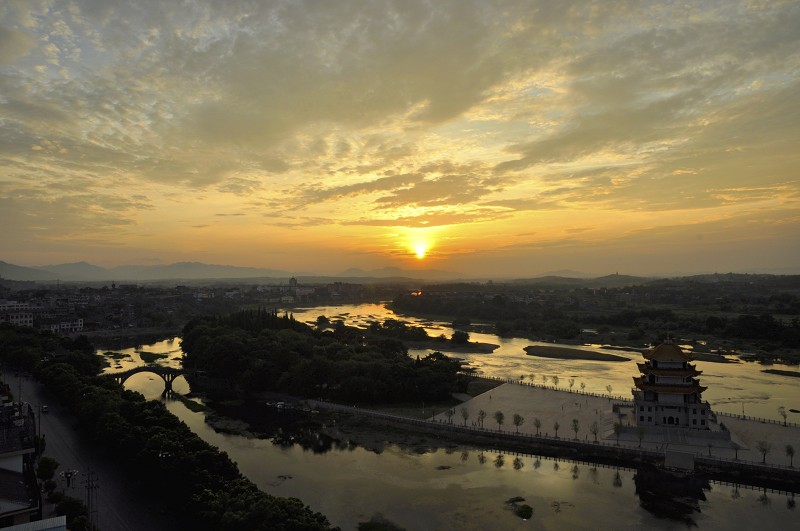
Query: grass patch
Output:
(415,409)
(524,511)
(479,386)
(238,402)
(151,357)
(191,405)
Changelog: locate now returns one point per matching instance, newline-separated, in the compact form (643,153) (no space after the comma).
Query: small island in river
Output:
(796,374)
(566,353)
(471,347)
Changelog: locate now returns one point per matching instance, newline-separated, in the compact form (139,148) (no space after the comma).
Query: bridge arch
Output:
(168,374)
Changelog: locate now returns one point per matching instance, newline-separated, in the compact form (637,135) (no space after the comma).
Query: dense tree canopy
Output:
(257,350)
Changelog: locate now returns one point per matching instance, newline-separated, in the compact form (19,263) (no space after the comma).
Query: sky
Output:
(485,138)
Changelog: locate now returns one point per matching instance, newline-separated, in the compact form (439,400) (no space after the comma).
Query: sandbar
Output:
(566,353)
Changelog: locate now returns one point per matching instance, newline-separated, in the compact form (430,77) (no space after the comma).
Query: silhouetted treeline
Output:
(398,330)
(542,318)
(25,348)
(254,352)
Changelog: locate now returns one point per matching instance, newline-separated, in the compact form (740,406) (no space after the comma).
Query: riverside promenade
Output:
(737,456)
(551,405)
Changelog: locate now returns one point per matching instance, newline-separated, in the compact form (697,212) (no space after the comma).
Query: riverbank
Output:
(553,423)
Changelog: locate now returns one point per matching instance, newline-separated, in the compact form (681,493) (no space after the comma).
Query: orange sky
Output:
(503,138)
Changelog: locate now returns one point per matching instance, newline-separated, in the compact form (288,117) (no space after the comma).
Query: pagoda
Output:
(667,392)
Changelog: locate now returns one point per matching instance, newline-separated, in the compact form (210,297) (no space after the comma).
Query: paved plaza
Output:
(561,406)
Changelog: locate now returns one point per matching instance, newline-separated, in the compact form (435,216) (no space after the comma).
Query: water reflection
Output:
(421,485)
(667,496)
(736,388)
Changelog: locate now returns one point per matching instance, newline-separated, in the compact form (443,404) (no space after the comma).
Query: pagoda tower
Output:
(667,392)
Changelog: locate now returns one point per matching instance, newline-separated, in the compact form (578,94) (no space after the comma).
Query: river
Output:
(466,488)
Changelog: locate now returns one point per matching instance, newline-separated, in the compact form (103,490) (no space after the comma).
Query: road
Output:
(119,506)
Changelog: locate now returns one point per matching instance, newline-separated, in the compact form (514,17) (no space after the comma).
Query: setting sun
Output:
(421,249)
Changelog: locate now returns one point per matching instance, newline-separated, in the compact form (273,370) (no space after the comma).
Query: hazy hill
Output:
(191,271)
(84,272)
(15,272)
(608,281)
(76,271)
(397,273)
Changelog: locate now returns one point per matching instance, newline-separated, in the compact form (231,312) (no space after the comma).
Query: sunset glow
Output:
(641,137)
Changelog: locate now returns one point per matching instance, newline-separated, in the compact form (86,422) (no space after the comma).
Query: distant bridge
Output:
(168,374)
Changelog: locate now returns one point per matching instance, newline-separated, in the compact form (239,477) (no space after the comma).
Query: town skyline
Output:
(487,139)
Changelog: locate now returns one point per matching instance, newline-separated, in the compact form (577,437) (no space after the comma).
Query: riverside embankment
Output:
(560,423)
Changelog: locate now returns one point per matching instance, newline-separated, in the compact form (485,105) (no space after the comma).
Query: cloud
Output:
(392,113)
(430,219)
(14,43)
(393,182)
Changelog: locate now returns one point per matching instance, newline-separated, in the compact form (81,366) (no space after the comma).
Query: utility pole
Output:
(91,497)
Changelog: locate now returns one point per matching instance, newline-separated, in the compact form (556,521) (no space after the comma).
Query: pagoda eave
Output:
(689,371)
(670,389)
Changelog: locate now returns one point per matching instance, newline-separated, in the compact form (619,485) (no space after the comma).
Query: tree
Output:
(537,424)
(782,413)
(518,421)
(583,386)
(617,430)
(764,447)
(47,468)
(460,337)
(499,417)
(73,509)
(640,434)
(575,427)
(450,412)
(464,414)
(555,381)
(544,379)
(790,454)
(571,382)
(609,388)
(594,429)
(481,416)
(556,425)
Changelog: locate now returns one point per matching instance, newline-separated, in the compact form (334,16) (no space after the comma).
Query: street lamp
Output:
(68,475)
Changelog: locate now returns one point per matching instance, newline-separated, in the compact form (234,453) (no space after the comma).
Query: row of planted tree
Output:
(518,420)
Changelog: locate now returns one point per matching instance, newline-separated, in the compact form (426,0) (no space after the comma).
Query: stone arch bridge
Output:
(168,374)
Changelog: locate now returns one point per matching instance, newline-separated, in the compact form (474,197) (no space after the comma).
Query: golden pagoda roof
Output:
(668,352)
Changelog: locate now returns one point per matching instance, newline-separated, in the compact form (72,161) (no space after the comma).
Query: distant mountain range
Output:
(396,272)
(607,281)
(85,272)
(197,271)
